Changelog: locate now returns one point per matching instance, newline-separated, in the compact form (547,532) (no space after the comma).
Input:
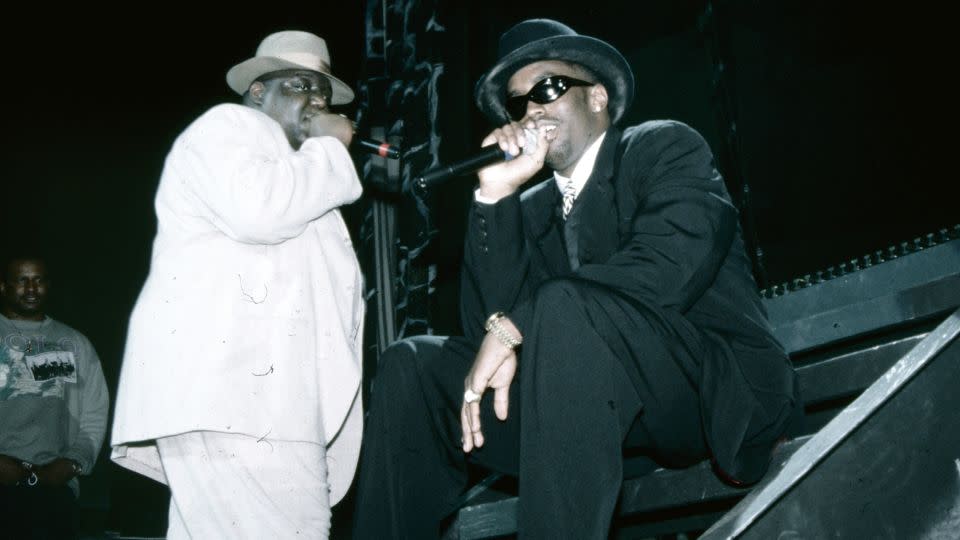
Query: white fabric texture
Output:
(251,318)
(235,486)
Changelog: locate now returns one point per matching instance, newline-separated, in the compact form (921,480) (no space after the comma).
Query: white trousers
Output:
(227,485)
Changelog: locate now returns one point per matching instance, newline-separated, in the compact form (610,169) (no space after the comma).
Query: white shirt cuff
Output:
(481,199)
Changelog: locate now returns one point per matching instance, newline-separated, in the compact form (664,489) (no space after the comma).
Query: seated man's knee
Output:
(400,357)
(401,363)
(558,295)
(397,355)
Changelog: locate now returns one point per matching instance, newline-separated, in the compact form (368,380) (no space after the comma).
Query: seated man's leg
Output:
(412,466)
(591,363)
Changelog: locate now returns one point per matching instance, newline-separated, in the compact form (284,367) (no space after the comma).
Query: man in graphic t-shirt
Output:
(53,408)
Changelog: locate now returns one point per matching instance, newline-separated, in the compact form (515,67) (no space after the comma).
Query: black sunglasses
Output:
(545,91)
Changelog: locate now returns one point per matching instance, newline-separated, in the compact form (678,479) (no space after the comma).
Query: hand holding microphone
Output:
(332,125)
(529,145)
(503,144)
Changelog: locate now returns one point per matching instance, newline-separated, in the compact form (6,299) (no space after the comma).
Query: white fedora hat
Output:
(290,49)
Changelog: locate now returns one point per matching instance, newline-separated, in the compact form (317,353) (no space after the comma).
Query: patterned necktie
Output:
(569,194)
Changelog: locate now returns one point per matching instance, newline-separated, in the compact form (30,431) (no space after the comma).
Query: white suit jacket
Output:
(251,318)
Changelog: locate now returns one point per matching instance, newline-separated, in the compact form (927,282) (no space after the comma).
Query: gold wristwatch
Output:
(495,327)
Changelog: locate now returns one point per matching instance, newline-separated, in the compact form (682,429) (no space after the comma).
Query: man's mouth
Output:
(549,128)
(547,125)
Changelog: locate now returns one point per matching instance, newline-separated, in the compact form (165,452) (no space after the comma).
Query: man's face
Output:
(292,97)
(578,116)
(24,290)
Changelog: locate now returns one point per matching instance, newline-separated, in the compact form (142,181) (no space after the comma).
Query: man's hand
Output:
(501,180)
(12,471)
(332,125)
(56,473)
(494,367)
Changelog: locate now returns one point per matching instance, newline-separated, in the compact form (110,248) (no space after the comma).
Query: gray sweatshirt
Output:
(53,397)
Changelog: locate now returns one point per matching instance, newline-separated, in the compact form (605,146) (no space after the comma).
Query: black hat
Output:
(544,39)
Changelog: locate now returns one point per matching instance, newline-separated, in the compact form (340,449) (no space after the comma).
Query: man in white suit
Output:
(241,375)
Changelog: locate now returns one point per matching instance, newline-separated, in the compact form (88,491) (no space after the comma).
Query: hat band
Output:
(311,61)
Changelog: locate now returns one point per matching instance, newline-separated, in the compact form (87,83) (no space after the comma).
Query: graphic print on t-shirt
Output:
(48,365)
(43,374)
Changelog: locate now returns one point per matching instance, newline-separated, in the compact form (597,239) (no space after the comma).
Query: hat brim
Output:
(243,74)
(598,56)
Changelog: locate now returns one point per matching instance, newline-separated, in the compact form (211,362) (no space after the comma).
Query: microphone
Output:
(488,155)
(379,148)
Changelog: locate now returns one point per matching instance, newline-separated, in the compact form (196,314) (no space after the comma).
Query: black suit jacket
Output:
(654,223)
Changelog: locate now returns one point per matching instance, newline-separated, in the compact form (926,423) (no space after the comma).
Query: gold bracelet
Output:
(494,326)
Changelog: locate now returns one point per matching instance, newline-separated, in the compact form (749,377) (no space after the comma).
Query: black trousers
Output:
(38,513)
(574,403)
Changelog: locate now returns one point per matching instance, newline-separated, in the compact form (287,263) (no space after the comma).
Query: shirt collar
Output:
(24,324)
(583,169)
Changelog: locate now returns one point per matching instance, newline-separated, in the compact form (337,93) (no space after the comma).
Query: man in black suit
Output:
(611,305)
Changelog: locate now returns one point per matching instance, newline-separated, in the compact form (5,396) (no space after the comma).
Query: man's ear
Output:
(598,98)
(256,91)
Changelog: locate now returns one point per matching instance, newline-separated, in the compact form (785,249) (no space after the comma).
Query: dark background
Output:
(843,110)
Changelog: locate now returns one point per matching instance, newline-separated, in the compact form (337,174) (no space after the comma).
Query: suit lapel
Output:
(591,228)
(542,220)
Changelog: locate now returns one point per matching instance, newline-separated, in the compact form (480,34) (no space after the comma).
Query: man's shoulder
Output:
(226,118)
(656,129)
(230,109)
(55,327)
(657,140)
